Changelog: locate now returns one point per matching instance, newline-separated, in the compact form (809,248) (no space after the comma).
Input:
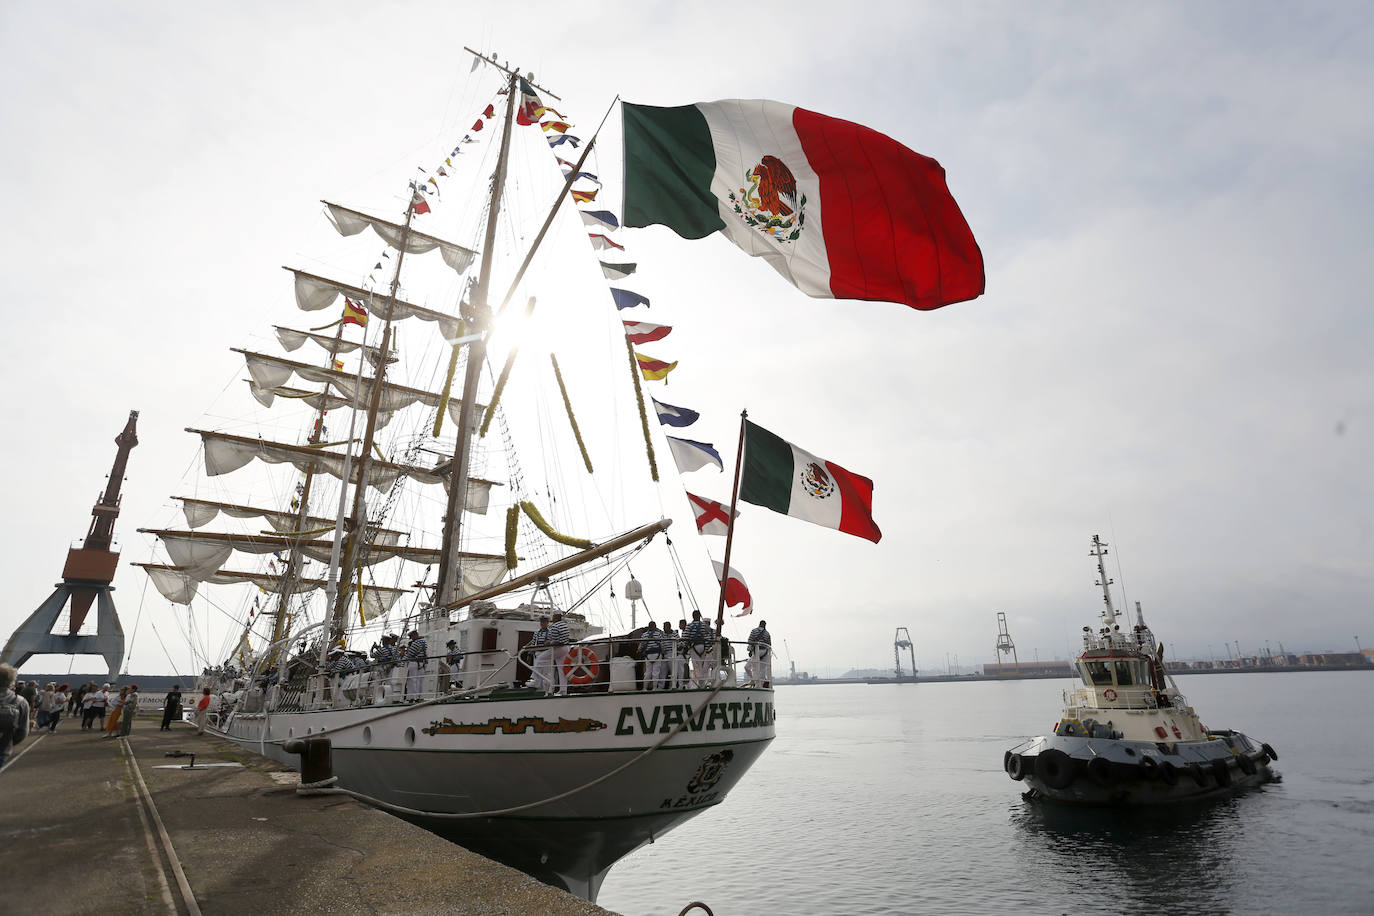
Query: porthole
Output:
(410,737)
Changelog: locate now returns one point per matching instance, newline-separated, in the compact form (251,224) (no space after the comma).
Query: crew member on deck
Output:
(699,642)
(758,671)
(652,642)
(449,667)
(540,656)
(672,661)
(560,637)
(416,654)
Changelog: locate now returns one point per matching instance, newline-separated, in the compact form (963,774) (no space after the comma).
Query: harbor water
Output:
(892,799)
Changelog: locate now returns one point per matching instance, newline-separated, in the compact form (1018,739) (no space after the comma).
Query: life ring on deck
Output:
(1109,695)
(581,666)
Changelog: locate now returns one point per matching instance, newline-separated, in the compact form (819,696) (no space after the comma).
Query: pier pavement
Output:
(113,826)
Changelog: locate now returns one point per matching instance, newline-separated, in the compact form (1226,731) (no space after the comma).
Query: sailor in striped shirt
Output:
(759,669)
(416,653)
(560,637)
(540,666)
(652,641)
(672,660)
(700,639)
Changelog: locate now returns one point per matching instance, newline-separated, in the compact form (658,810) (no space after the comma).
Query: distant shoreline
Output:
(946,678)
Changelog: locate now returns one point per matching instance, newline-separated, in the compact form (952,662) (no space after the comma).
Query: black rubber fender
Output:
(1168,773)
(1015,765)
(1055,768)
(1199,774)
(1221,772)
(1100,771)
(1269,752)
(1149,768)
(1246,764)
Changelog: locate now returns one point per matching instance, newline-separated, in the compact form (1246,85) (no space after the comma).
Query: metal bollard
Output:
(317,759)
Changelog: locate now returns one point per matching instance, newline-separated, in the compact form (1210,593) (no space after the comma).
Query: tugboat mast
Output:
(1109,613)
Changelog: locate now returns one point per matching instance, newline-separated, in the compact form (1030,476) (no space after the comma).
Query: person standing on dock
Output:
(171,708)
(116,707)
(417,652)
(14,713)
(202,710)
(126,720)
(560,637)
(759,669)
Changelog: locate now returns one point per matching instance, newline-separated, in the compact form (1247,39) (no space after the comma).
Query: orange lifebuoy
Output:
(581,666)
(1109,695)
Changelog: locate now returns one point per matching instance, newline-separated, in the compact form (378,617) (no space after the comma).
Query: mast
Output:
(1099,550)
(357,522)
(480,311)
(287,586)
(730,528)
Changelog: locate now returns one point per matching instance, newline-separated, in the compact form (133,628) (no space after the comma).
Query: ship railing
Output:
(1137,697)
(604,664)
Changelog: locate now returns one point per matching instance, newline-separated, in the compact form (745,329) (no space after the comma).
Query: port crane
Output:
(1004,643)
(900,642)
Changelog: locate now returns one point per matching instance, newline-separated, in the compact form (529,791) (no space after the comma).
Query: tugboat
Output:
(1128,736)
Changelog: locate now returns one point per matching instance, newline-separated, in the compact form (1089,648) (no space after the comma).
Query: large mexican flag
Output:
(779,476)
(840,210)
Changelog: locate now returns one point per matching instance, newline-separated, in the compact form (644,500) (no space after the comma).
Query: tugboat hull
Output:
(1099,771)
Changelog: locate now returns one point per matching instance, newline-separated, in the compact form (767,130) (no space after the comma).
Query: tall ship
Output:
(470,668)
(1128,736)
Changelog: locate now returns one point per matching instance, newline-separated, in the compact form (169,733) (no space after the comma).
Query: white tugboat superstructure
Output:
(1128,736)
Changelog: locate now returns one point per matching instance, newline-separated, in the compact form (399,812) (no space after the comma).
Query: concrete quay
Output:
(113,826)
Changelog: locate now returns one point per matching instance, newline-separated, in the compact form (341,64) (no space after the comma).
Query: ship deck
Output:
(117,827)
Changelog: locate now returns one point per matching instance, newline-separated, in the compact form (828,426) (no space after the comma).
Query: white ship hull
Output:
(494,754)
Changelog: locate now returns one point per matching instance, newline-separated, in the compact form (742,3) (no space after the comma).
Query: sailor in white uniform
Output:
(652,641)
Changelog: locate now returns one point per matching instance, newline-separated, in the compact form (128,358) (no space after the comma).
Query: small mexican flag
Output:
(779,476)
(840,210)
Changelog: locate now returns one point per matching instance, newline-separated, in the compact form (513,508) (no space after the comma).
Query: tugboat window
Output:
(1123,674)
(1098,672)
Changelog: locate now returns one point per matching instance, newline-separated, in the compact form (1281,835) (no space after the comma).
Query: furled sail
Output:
(200,554)
(351,222)
(271,373)
(292,339)
(225,453)
(314,293)
(178,587)
(201,512)
(320,400)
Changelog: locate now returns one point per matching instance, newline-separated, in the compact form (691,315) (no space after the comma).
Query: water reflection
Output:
(1174,858)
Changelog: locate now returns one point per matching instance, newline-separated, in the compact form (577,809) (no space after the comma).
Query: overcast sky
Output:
(1174,351)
